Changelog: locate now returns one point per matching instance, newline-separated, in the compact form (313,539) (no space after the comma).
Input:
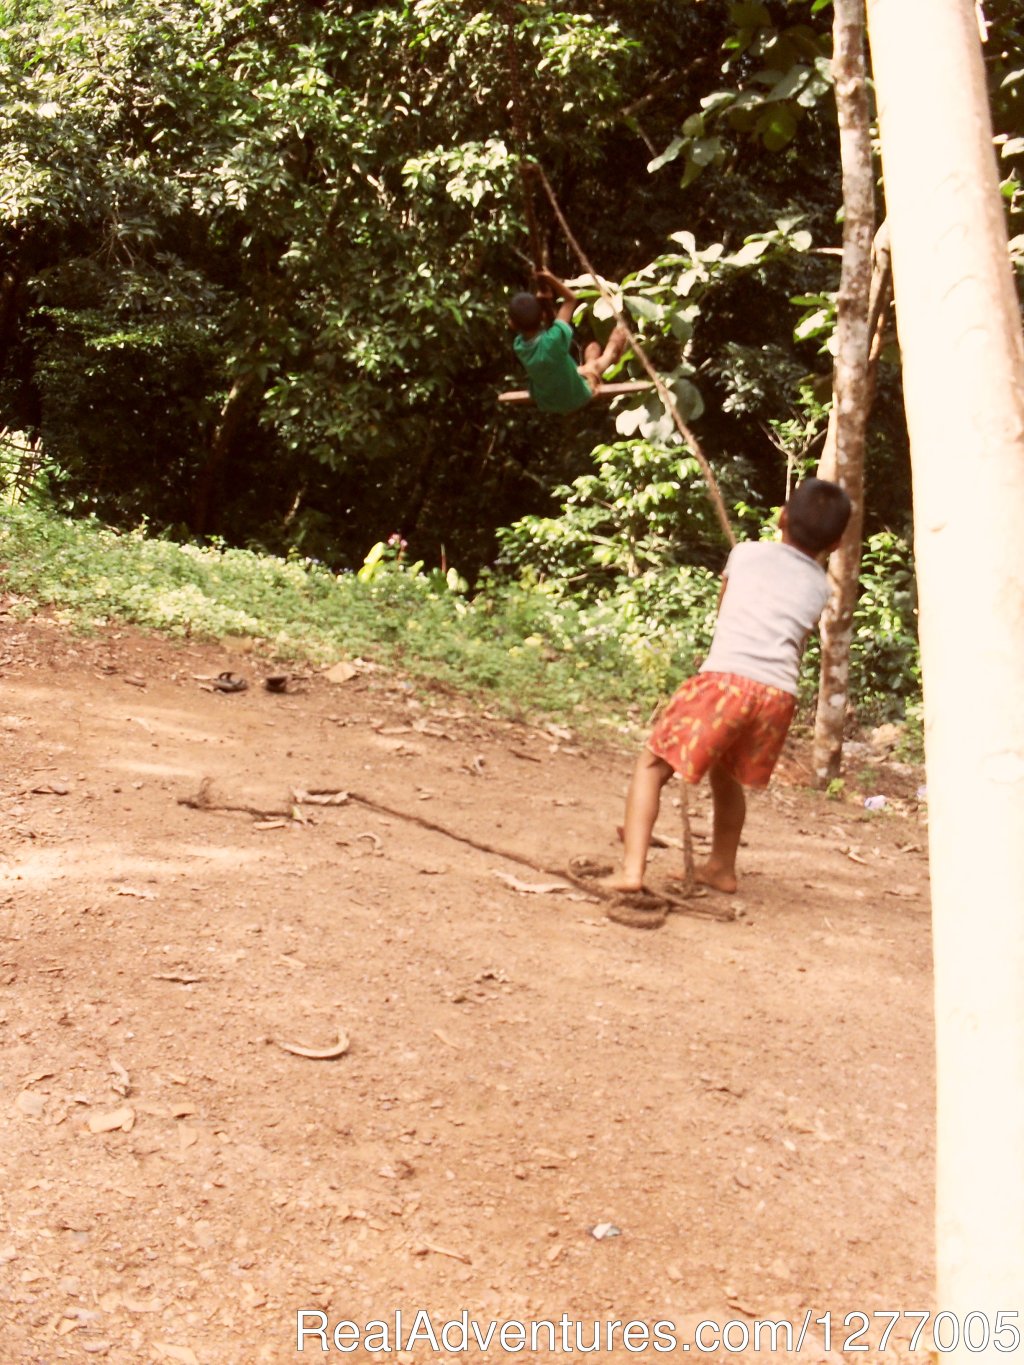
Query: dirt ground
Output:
(744,1108)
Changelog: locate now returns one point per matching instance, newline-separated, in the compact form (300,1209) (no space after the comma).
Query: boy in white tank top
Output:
(730,720)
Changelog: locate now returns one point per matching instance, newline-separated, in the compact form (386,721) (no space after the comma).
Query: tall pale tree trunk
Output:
(963,375)
(850,383)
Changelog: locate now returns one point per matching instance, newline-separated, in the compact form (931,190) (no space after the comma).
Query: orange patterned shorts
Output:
(723,718)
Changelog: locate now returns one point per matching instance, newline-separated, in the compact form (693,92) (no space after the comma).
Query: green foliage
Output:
(1004,58)
(526,648)
(637,510)
(253,258)
(818,320)
(621,551)
(253,251)
(26,472)
(885,661)
(885,658)
(613,561)
(801,435)
(781,71)
(593,640)
(175,184)
(667,299)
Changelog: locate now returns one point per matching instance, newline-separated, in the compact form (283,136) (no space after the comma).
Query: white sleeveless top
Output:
(773,598)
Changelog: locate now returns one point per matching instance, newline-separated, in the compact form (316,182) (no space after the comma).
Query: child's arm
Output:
(569,299)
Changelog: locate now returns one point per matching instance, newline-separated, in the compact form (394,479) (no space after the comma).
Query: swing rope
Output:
(664,393)
(527,170)
(519,140)
(715,493)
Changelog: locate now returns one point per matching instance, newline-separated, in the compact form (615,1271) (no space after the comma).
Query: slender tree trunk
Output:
(880,302)
(963,376)
(850,395)
(879,305)
(232,414)
(10,282)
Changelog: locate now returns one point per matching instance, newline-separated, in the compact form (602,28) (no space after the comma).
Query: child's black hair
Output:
(525,312)
(816,514)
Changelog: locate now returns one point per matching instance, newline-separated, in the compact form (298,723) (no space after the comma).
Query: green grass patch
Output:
(530,643)
(528,651)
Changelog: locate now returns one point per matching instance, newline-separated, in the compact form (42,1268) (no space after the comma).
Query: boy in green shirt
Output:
(554,379)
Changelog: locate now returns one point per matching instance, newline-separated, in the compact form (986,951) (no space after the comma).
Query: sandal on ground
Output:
(229,682)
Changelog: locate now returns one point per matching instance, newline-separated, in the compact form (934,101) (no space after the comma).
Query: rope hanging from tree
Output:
(664,393)
(524,167)
(529,170)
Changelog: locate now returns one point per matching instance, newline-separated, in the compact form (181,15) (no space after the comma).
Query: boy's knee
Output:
(724,781)
(654,765)
(591,375)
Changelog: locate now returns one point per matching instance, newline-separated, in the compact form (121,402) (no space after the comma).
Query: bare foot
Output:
(618,881)
(715,877)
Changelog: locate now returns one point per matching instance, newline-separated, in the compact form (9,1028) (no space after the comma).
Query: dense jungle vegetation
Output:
(253,269)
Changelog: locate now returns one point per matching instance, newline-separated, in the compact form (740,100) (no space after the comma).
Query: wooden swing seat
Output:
(605,391)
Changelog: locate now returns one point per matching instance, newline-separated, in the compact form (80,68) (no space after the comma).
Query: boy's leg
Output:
(750,763)
(591,366)
(614,347)
(596,361)
(642,803)
(729,812)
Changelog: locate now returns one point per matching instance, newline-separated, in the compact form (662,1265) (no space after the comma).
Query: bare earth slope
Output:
(748,1104)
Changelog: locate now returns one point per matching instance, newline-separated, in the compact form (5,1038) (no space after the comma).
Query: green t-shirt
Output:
(551,373)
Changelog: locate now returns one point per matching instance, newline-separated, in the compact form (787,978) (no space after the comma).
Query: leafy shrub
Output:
(644,506)
(885,660)
(526,647)
(885,654)
(616,552)
(599,642)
